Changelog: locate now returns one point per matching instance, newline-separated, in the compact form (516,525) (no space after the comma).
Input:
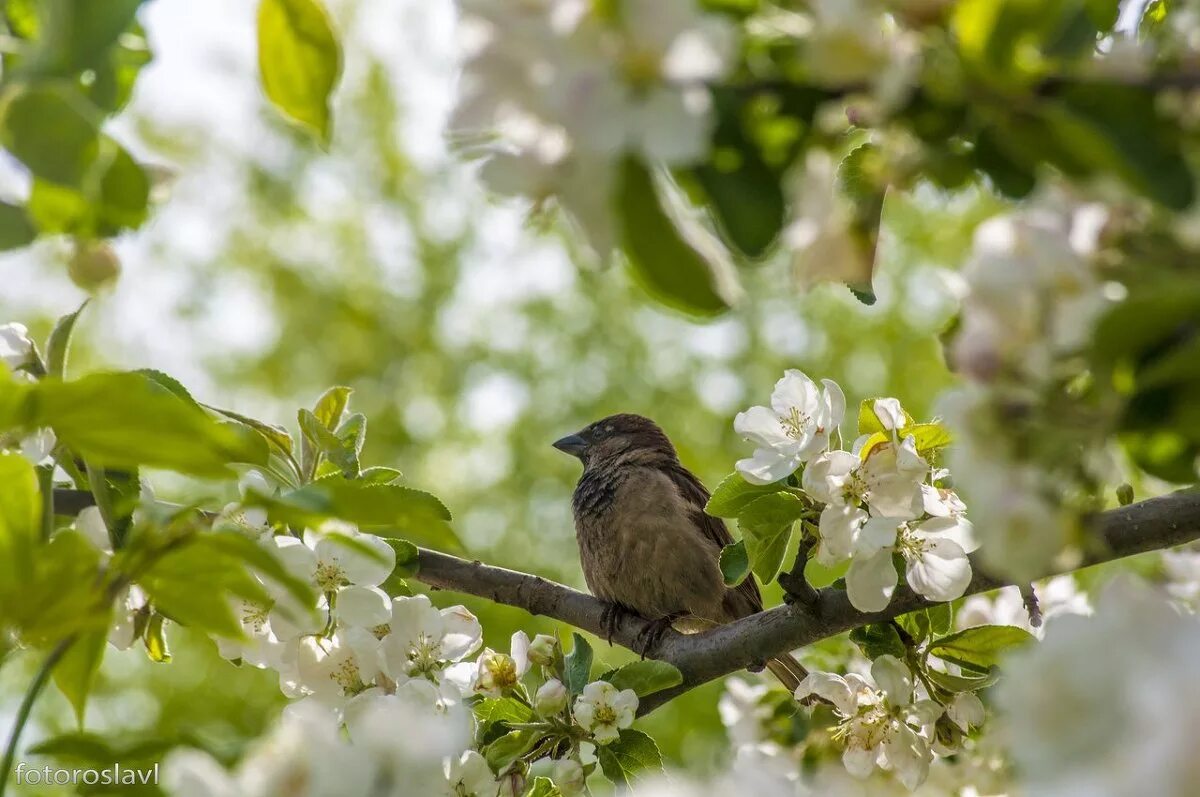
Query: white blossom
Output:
(423,641)
(38,446)
(497,672)
(1032,293)
(468,775)
(936,563)
(602,710)
(793,430)
(883,725)
(1117,723)
(16,347)
(1056,596)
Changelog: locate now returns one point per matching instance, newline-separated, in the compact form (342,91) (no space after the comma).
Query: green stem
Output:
(104,502)
(39,680)
(45,475)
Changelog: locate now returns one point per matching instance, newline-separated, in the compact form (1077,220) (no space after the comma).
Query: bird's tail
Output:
(788,670)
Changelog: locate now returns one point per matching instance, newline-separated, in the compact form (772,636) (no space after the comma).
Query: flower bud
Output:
(94,265)
(512,784)
(543,649)
(551,698)
(568,776)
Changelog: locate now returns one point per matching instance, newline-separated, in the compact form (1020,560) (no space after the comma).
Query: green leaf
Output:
(543,787)
(979,649)
(331,406)
(915,624)
(766,525)
(577,669)
(276,436)
(50,129)
(735,563)
(502,709)
(389,510)
(78,34)
(744,192)
(122,420)
(56,595)
(734,494)
(114,197)
(958,683)
(667,256)
(20,519)
(928,437)
(878,639)
(645,676)
(264,562)
(509,747)
(76,671)
(1119,130)
(59,345)
(380,475)
(299,61)
(16,230)
(941,618)
(407,557)
(632,756)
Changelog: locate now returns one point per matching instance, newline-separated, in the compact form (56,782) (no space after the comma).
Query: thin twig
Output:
(31,694)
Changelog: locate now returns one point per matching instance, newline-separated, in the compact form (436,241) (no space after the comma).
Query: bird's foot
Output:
(611,617)
(652,633)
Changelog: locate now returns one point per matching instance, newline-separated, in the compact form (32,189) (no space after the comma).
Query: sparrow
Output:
(646,545)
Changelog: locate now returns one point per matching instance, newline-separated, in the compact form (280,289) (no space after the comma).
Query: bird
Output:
(646,545)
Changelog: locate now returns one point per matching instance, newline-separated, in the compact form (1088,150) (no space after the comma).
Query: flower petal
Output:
(826,476)
(958,529)
(759,425)
(834,401)
(839,528)
(941,572)
(795,390)
(876,534)
(829,686)
(889,412)
(893,678)
(363,607)
(871,580)
(767,466)
(859,761)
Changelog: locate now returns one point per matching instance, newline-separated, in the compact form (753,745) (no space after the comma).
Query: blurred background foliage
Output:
(274,269)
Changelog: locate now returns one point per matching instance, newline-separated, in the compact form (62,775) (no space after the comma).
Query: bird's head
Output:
(617,438)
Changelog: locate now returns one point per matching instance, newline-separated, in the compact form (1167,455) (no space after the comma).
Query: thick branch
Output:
(1150,525)
(1146,526)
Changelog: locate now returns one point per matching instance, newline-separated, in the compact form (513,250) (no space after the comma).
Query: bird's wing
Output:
(696,495)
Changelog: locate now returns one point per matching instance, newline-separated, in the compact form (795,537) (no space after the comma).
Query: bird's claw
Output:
(652,633)
(610,618)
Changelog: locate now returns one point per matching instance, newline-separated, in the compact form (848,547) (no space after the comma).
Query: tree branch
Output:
(1149,525)
(1145,526)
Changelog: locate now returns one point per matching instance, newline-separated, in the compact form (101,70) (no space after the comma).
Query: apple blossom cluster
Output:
(570,86)
(377,665)
(877,501)
(1033,296)
(1115,724)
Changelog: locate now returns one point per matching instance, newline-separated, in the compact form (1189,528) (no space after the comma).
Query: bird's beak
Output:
(572,444)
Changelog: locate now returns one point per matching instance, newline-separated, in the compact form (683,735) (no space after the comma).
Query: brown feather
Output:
(646,543)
